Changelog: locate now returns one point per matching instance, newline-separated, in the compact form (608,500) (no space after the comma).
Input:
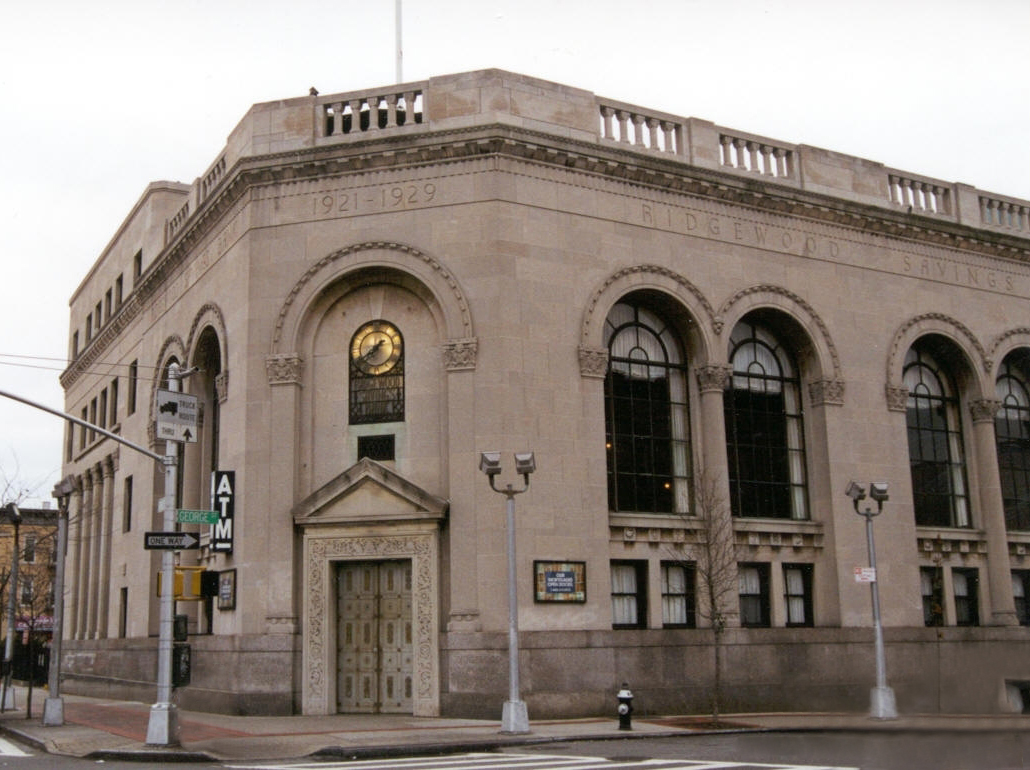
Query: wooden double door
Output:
(374,637)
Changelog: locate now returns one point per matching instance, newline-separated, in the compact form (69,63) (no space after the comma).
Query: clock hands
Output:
(367,355)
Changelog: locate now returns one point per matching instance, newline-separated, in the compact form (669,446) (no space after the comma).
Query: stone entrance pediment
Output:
(368,492)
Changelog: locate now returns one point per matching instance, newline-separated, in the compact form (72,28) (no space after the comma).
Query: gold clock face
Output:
(376,347)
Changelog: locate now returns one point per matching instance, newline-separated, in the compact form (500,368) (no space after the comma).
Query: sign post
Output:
(163,725)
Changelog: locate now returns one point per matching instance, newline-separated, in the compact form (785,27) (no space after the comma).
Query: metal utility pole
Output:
(514,715)
(163,727)
(53,706)
(882,703)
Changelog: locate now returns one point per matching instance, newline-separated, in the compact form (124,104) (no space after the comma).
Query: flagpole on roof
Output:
(400,50)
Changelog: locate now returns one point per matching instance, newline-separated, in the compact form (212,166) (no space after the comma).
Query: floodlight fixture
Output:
(64,487)
(878,491)
(855,491)
(12,512)
(525,463)
(490,463)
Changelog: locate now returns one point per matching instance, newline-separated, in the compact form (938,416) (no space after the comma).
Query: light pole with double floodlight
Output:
(514,717)
(53,706)
(882,705)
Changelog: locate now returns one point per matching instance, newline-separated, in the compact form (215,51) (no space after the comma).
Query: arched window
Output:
(646,419)
(376,374)
(764,429)
(935,451)
(1012,431)
(208,360)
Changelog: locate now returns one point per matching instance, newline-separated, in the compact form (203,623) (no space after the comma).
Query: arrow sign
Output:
(176,416)
(170,541)
(196,517)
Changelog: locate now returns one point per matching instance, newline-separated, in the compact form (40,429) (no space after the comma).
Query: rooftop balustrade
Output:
(480,99)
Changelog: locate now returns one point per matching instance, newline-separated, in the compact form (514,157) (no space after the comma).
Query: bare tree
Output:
(36,599)
(715,565)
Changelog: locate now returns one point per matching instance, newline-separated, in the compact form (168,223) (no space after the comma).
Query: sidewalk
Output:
(106,729)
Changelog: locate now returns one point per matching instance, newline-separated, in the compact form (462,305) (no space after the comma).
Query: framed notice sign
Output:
(560,581)
(227,589)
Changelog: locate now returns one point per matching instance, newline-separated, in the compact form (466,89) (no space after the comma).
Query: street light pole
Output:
(53,706)
(882,704)
(163,726)
(514,716)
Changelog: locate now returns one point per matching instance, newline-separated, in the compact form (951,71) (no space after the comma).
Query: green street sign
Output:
(196,517)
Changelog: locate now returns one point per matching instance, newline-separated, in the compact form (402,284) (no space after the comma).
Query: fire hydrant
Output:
(625,708)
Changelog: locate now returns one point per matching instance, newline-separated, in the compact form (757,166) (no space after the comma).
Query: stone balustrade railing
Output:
(919,194)
(1005,213)
(175,224)
(470,100)
(630,125)
(757,156)
(369,112)
(212,177)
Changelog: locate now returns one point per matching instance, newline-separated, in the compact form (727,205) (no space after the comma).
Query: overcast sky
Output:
(100,97)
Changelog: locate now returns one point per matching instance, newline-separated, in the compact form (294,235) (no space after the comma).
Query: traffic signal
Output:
(191,584)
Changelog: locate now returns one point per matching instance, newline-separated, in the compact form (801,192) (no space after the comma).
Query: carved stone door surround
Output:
(322,549)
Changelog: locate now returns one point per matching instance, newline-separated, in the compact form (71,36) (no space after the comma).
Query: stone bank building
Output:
(702,334)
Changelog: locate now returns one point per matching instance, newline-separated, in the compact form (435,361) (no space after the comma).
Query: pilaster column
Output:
(285,374)
(104,517)
(459,360)
(992,511)
(713,380)
(96,524)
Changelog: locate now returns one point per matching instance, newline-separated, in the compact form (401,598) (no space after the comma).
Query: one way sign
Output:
(170,541)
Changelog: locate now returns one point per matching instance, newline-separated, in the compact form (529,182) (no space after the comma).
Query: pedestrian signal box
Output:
(191,584)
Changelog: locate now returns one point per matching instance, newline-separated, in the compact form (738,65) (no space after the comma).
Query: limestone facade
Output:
(509,230)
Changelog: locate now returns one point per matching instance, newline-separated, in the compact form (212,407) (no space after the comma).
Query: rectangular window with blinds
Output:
(678,591)
(797,594)
(629,594)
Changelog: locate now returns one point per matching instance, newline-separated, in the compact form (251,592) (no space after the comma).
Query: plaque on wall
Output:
(560,581)
(227,590)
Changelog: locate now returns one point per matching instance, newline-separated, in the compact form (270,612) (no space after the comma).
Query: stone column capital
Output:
(827,391)
(222,386)
(984,409)
(713,377)
(284,369)
(460,354)
(593,362)
(897,397)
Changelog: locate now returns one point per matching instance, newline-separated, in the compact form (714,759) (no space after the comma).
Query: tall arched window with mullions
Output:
(646,416)
(1012,432)
(935,451)
(764,428)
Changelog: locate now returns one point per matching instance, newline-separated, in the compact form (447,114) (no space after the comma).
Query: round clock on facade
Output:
(376,347)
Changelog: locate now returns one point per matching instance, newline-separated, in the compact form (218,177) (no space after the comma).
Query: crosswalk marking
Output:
(8,749)
(515,761)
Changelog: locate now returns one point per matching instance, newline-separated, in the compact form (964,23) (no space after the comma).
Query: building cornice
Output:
(652,170)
